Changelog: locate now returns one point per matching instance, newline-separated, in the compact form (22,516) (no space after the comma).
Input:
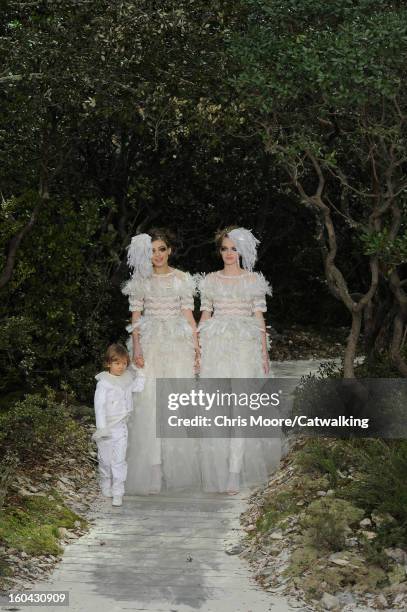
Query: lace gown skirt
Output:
(231,348)
(168,353)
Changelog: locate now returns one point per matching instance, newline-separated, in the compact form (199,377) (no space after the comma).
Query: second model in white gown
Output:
(168,351)
(231,344)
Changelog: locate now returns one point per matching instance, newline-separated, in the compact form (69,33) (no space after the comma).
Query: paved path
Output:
(161,553)
(165,553)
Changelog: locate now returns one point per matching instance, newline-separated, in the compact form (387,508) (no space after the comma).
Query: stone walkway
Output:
(165,553)
(161,553)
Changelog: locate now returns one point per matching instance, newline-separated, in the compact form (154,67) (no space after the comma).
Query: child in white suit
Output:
(113,404)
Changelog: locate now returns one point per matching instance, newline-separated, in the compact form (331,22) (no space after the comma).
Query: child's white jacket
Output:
(114,399)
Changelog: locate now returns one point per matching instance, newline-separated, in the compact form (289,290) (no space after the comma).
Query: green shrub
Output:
(32,427)
(380,485)
(8,465)
(327,521)
(325,457)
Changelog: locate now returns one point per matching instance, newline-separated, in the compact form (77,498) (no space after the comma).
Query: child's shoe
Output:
(105,484)
(117,500)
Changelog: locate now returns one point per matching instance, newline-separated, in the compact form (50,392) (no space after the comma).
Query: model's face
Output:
(117,366)
(161,252)
(229,252)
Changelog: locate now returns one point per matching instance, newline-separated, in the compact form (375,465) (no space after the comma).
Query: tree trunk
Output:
(350,351)
(399,323)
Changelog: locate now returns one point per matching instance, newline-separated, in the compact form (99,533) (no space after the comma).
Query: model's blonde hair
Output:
(223,233)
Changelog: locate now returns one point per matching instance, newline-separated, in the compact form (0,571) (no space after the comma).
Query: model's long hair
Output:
(164,234)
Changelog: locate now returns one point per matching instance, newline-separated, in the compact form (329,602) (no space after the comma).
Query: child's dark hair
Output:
(164,234)
(113,351)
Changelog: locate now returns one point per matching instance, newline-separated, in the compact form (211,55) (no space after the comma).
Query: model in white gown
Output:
(233,345)
(165,301)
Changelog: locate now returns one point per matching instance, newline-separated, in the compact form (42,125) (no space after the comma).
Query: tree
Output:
(324,84)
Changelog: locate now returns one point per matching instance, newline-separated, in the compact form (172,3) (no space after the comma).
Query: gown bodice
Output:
(234,296)
(161,296)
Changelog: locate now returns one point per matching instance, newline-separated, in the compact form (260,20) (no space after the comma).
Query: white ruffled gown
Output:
(231,344)
(168,351)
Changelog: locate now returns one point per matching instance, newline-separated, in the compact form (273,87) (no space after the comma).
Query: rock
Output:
(330,492)
(77,523)
(366,522)
(276,535)
(330,602)
(62,531)
(398,588)
(235,549)
(46,475)
(381,602)
(342,562)
(250,527)
(65,480)
(294,603)
(351,542)
(25,492)
(346,598)
(397,574)
(380,519)
(370,535)
(62,487)
(321,493)
(399,598)
(397,554)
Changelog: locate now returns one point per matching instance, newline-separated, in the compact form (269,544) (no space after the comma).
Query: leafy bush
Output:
(60,310)
(380,485)
(325,457)
(7,469)
(32,427)
(327,521)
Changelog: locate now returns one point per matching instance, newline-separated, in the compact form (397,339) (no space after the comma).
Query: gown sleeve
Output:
(261,288)
(134,289)
(187,292)
(204,288)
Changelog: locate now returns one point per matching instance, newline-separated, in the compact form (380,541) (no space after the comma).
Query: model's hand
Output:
(138,358)
(138,361)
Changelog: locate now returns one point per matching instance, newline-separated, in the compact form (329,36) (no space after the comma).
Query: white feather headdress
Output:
(246,245)
(139,254)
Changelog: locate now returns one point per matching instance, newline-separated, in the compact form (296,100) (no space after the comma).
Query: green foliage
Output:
(327,521)
(8,464)
(32,525)
(37,425)
(369,473)
(393,252)
(323,457)
(278,508)
(380,486)
(57,296)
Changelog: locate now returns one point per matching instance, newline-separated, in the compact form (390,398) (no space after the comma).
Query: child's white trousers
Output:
(112,459)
